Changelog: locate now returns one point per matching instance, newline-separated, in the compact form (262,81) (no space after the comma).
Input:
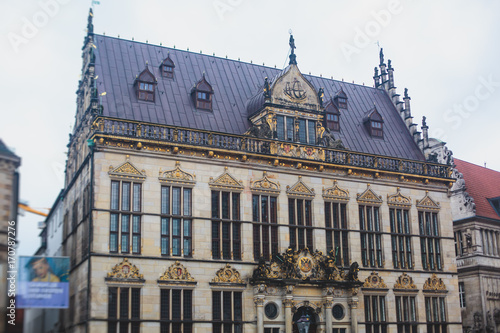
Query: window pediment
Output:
(398,200)
(427,203)
(434,284)
(227,275)
(369,197)
(374,281)
(336,193)
(176,274)
(127,171)
(177,176)
(300,189)
(405,282)
(226,181)
(265,185)
(125,272)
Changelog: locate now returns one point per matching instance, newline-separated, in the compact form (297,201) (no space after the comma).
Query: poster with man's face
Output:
(43,282)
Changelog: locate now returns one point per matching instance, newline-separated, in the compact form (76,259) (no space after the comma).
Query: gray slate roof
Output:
(119,61)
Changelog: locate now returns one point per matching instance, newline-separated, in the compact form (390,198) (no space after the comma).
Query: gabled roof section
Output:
(482,184)
(203,85)
(118,61)
(331,107)
(168,62)
(373,114)
(146,76)
(8,154)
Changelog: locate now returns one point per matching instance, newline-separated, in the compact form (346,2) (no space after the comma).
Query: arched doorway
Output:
(304,312)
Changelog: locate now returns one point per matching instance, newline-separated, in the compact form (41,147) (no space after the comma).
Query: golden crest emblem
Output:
(305,264)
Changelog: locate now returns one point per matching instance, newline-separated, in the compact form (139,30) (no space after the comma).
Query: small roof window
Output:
(167,67)
(145,84)
(332,116)
(374,123)
(202,94)
(340,99)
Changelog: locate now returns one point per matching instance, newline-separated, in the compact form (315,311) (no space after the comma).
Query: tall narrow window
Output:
(300,223)
(227,307)
(435,314)
(371,236)
(430,245)
(265,227)
(125,218)
(176,221)
(461,294)
(124,309)
(226,225)
(401,238)
(337,231)
(406,314)
(375,314)
(176,310)
(459,243)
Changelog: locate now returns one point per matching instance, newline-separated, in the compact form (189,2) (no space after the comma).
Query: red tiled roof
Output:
(482,184)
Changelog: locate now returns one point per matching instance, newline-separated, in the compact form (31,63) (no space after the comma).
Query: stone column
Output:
(328,313)
(288,302)
(259,302)
(353,304)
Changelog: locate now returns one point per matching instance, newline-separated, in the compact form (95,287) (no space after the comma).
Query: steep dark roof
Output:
(7,153)
(482,184)
(118,62)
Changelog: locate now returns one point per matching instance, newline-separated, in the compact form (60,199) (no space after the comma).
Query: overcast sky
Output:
(446,53)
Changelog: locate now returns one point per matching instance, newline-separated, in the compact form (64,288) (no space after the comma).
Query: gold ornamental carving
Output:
(434,284)
(176,272)
(177,176)
(398,200)
(265,185)
(227,274)
(125,271)
(404,281)
(375,282)
(300,189)
(336,193)
(226,181)
(369,197)
(127,171)
(427,203)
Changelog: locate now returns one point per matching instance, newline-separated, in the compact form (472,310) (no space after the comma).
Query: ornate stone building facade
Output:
(211,195)
(476,216)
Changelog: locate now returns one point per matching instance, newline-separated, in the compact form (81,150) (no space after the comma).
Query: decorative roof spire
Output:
(90,25)
(381,55)
(293,57)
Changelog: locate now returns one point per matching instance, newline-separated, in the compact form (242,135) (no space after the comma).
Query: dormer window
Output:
(340,100)
(167,68)
(145,86)
(374,123)
(202,94)
(495,202)
(332,117)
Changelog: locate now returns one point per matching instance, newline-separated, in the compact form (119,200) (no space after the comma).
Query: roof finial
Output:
(424,122)
(381,55)
(406,92)
(293,57)
(90,25)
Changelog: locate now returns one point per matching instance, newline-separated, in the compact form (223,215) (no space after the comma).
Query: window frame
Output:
(224,319)
(183,214)
(401,245)
(117,316)
(430,244)
(265,226)
(337,230)
(370,234)
(406,313)
(300,223)
(435,313)
(182,310)
(379,314)
(226,225)
(125,213)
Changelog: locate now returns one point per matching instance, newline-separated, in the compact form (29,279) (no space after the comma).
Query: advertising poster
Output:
(43,282)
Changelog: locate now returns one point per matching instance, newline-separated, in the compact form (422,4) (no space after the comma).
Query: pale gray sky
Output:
(446,53)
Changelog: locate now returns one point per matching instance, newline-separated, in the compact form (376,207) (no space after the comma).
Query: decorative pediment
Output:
(336,193)
(176,273)
(125,272)
(427,203)
(127,171)
(265,185)
(374,282)
(434,284)
(405,281)
(226,181)
(291,88)
(300,190)
(398,200)
(227,274)
(177,176)
(369,197)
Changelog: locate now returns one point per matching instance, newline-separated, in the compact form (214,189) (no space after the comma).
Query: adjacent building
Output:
(9,196)
(205,194)
(476,219)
